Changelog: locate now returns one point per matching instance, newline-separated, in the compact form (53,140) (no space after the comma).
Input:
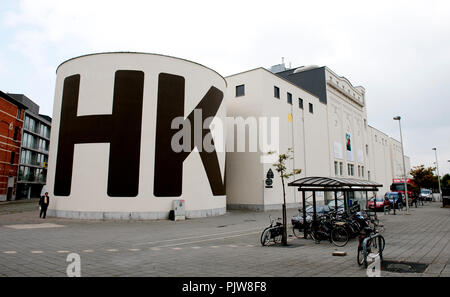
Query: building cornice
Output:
(345,88)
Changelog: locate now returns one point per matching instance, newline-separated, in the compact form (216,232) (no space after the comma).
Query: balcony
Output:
(36,148)
(30,178)
(32,163)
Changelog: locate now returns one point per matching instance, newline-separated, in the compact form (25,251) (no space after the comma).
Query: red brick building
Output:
(11,123)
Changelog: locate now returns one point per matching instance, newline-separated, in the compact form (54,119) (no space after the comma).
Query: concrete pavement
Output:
(226,246)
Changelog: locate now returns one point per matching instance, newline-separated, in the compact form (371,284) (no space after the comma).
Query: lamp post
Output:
(437,168)
(398,118)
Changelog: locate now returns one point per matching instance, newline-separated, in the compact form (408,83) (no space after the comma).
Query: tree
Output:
(424,177)
(280,167)
(445,181)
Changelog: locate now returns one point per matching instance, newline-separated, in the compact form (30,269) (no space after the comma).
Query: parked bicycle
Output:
(273,233)
(327,228)
(372,245)
(329,225)
(298,226)
(324,228)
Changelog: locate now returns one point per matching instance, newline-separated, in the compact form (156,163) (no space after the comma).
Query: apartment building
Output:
(32,174)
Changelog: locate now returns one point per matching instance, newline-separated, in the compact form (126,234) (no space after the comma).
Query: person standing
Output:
(43,203)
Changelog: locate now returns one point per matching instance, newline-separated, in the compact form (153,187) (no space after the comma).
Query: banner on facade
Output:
(348,145)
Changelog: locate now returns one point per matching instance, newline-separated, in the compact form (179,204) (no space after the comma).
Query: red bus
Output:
(398,185)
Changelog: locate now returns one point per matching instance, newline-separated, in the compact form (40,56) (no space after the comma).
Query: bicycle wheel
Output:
(360,257)
(375,243)
(368,250)
(339,236)
(313,235)
(279,237)
(265,237)
(297,232)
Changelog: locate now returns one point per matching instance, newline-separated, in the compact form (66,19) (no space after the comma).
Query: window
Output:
(13,156)
(341,168)
(45,130)
(359,171)
(240,90)
(42,145)
(336,168)
(311,108)
(289,98)
(350,169)
(300,103)
(276,92)
(27,122)
(367,149)
(25,139)
(32,125)
(362,171)
(19,111)
(16,133)
(368,175)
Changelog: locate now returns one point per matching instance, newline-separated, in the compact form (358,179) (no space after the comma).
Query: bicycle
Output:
(298,226)
(272,233)
(372,243)
(327,228)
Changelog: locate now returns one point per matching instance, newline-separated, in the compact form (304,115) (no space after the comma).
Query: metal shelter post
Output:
(304,215)
(346,201)
(314,206)
(335,200)
(367,201)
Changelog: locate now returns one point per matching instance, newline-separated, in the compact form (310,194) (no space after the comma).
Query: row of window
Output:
(30,142)
(32,174)
(240,91)
(339,169)
(41,129)
(29,157)
(382,140)
(276,93)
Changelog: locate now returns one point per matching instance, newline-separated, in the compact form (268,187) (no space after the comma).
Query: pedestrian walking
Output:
(400,201)
(43,205)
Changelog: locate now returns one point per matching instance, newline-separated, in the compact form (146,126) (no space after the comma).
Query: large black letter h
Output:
(121,129)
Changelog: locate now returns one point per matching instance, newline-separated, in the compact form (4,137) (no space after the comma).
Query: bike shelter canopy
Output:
(332,184)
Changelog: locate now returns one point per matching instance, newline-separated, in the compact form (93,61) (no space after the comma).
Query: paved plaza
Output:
(225,246)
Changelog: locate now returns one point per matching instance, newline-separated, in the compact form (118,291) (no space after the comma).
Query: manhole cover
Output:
(403,267)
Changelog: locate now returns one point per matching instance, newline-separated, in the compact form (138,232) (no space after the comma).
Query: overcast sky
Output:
(398,50)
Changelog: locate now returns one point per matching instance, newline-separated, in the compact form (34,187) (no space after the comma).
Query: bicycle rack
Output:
(380,251)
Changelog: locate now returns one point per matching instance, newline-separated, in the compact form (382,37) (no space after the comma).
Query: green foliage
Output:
(280,166)
(445,181)
(424,177)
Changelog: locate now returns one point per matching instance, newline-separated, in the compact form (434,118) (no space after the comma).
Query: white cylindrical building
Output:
(113,130)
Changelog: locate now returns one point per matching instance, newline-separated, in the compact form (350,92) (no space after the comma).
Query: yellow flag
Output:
(290,117)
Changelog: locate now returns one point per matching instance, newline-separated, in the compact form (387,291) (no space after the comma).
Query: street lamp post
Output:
(398,118)
(439,178)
